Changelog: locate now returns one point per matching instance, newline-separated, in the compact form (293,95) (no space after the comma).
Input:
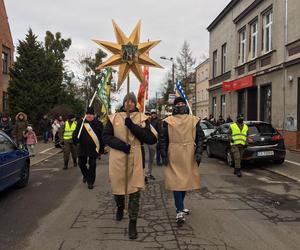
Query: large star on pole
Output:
(128,53)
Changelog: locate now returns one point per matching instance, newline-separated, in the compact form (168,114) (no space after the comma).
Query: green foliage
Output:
(36,84)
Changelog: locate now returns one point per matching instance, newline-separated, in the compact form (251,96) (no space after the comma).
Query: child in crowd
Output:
(31,140)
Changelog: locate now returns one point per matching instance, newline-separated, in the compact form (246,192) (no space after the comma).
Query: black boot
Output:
(120,213)
(132,232)
(237,172)
(66,166)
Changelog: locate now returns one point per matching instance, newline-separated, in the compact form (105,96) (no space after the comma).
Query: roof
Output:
(222,14)
(202,63)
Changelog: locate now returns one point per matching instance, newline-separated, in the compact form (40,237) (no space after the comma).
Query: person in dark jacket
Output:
(220,121)
(156,123)
(45,127)
(20,129)
(138,131)
(6,124)
(91,146)
(181,146)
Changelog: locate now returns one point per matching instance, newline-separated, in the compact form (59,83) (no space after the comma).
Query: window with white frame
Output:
(267,31)
(224,54)
(253,39)
(215,63)
(242,46)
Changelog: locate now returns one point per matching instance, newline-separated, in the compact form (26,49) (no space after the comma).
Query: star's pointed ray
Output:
(121,37)
(138,72)
(145,47)
(114,60)
(114,48)
(147,61)
(135,35)
(123,73)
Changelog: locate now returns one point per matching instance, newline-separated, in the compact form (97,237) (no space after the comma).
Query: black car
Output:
(267,144)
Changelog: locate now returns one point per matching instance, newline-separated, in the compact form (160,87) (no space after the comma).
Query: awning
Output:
(241,83)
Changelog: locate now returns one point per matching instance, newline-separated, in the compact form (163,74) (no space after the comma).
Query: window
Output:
(5,145)
(224,51)
(4,63)
(223,105)
(253,39)
(242,102)
(214,106)
(242,46)
(5,102)
(215,63)
(267,31)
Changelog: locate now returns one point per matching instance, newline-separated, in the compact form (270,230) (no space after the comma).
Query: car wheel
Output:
(229,158)
(208,151)
(24,176)
(280,161)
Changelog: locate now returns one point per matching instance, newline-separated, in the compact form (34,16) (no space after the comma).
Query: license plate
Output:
(265,153)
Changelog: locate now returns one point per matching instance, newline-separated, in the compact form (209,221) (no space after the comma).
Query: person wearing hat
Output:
(181,145)
(122,151)
(69,146)
(6,124)
(238,135)
(91,146)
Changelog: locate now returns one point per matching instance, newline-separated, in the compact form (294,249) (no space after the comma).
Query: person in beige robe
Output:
(181,146)
(114,135)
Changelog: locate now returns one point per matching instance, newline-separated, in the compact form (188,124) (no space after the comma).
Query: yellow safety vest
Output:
(238,137)
(69,130)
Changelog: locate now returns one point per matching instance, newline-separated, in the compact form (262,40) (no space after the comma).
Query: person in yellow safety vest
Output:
(238,141)
(69,146)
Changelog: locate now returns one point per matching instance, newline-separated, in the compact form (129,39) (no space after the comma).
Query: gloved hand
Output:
(165,161)
(128,123)
(126,148)
(198,159)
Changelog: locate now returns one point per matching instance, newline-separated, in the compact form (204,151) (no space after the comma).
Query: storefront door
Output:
(252,104)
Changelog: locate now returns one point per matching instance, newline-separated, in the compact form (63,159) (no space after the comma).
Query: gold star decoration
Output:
(128,53)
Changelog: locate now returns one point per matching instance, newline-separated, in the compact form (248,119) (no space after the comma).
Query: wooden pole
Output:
(127,141)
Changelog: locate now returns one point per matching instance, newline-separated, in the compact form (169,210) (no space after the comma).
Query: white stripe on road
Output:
(267,180)
(45,169)
(293,162)
(45,151)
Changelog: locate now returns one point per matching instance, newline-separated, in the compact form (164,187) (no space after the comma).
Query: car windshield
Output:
(261,129)
(206,125)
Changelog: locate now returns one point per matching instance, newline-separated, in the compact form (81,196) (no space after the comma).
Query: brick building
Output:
(7,55)
(255,63)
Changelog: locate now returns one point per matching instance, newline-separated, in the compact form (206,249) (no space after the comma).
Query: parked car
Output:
(267,144)
(207,128)
(14,164)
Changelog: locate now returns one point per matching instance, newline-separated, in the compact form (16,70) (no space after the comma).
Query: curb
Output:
(282,174)
(46,158)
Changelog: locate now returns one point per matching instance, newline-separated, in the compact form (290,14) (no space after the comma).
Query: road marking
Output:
(37,184)
(46,150)
(248,174)
(293,162)
(267,180)
(45,169)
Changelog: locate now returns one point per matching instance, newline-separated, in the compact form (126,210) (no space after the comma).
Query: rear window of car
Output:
(206,125)
(261,129)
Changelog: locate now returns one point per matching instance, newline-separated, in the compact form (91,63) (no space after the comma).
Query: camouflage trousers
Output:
(69,148)
(133,205)
(237,151)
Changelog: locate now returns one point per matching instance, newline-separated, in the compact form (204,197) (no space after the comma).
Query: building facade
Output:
(7,53)
(255,63)
(202,85)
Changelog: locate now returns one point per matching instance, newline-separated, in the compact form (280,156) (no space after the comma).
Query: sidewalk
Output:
(290,168)
(43,151)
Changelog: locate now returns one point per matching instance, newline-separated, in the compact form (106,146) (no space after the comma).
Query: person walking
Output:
(69,146)
(181,149)
(91,146)
(31,140)
(220,121)
(156,123)
(238,134)
(45,127)
(55,133)
(20,129)
(6,124)
(212,120)
(130,152)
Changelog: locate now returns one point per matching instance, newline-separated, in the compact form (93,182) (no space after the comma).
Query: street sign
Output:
(171,98)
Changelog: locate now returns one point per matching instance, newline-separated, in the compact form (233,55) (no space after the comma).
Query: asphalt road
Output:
(21,209)
(261,210)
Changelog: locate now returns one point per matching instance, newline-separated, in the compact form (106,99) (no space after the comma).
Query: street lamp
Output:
(173,68)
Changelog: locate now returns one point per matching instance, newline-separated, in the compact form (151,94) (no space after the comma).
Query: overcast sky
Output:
(171,21)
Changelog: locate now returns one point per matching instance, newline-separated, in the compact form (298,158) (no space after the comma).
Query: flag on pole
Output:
(180,92)
(143,90)
(104,91)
